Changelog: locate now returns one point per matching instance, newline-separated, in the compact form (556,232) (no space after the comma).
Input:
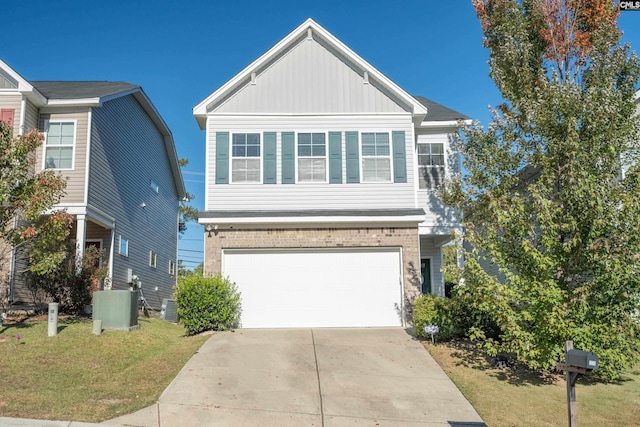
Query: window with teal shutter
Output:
(288,158)
(222,157)
(335,157)
(399,157)
(269,158)
(353,157)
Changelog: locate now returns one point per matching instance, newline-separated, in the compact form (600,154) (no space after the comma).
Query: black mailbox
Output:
(582,359)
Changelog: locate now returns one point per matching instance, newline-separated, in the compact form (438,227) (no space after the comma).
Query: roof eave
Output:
(24,86)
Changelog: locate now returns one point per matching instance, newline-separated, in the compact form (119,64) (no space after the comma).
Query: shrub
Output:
(207,303)
(431,309)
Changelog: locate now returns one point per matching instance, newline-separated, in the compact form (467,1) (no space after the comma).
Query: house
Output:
(320,179)
(124,183)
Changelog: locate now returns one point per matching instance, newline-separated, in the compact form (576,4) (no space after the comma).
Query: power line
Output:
(189,250)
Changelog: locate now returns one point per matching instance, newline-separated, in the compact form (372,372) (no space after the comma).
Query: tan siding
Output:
(31,117)
(309,79)
(306,195)
(76,176)
(13,102)
(127,152)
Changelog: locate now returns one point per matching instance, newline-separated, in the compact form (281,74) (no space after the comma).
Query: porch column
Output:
(81,237)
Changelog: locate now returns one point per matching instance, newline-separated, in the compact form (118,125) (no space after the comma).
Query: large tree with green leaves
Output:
(24,196)
(544,197)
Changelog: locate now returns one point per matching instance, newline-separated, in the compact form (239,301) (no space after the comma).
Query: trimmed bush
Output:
(207,303)
(431,309)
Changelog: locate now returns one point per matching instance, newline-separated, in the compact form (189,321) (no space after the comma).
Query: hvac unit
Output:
(169,310)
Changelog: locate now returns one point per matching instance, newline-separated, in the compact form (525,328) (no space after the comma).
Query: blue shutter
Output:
(269,158)
(222,157)
(288,158)
(335,157)
(399,157)
(353,157)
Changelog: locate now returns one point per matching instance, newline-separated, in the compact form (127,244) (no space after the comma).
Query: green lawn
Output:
(517,397)
(83,377)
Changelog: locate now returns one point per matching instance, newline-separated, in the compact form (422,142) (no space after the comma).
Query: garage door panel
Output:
(317,288)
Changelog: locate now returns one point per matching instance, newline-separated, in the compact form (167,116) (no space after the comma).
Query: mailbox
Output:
(582,359)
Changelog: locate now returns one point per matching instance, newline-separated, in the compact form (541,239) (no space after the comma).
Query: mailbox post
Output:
(576,362)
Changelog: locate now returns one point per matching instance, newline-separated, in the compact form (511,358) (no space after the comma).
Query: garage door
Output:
(317,288)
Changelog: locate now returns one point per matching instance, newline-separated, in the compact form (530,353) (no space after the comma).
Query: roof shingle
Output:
(81,89)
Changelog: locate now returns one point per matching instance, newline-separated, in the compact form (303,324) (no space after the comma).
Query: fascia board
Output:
(442,124)
(79,102)
(24,86)
(334,220)
(200,110)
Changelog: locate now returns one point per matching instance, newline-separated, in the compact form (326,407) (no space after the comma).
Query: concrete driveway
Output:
(309,377)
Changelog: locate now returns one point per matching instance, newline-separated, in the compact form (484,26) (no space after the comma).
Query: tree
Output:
(543,198)
(187,212)
(24,196)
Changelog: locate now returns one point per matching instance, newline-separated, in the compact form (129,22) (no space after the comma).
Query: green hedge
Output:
(207,303)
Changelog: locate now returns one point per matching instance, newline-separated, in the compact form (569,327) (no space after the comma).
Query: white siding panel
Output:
(76,176)
(309,79)
(428,250)
(305,195)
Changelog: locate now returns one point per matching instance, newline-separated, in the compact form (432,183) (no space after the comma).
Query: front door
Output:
(425,272)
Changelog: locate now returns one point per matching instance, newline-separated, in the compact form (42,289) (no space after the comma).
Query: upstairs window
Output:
(123,246)
(376,157)
(59,144)
(152,259)
(245,157)
(312,157)
(431,165)
(155,187)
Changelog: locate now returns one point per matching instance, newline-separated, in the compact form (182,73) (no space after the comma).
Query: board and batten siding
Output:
(309,79)
(127,153)
(327,195)
(437,213)
(12,102)
(76,176)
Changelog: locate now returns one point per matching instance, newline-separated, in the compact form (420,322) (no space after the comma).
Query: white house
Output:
(320,179)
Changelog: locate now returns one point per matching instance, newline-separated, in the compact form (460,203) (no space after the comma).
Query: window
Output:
(312,157)
(152,259)
(245,157)
(376,157)
(58,145)
(172,268)
(430,165)
(123,247)
(154,186)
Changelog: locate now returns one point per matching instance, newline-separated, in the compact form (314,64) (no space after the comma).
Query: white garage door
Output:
(316,287)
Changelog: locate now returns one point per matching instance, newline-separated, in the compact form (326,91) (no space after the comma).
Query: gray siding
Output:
(309,78)
(309,195)
(127,152)
(76,176)
(428,250)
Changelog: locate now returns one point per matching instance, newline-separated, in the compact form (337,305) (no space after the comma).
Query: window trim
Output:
(126,249)
(155,187)
(172,268)
(326,157)
(259,158)
(47,123)
(389,156)
(153,259)
(419,167)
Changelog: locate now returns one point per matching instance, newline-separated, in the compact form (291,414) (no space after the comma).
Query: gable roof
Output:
(438,112)
(308,29)
(81,89)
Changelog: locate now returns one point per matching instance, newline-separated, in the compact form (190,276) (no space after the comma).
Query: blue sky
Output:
(181,51)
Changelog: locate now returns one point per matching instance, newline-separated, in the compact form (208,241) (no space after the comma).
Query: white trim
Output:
(111,252)
(23,114)
(318,220)
(126,252)
(297,158)
(87,162)
(24,87)
(259,158)
(47,123)
(444,123)
(207,167)
(78,102)
(390,156)
(202,108)
(153,259)
(97,215)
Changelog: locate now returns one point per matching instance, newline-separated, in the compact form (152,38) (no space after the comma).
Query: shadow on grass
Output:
(469,355)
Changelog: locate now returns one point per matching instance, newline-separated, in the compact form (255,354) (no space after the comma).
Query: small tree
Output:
(187,212)
(544,199)
(24,196)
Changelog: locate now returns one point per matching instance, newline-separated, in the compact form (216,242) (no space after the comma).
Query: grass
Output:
(518,397)
(83,377)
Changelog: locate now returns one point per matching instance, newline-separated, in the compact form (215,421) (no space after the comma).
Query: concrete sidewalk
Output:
(309,377)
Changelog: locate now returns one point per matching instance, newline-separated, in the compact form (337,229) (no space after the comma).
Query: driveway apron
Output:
(310,377)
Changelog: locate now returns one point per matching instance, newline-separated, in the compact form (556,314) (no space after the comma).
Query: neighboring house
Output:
(320,179)
(124,183)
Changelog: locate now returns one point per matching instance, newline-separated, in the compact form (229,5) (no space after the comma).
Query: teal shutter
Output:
(222,157)
(399,157)
(288,158)
(353,157)
(335,157)
(269,158)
